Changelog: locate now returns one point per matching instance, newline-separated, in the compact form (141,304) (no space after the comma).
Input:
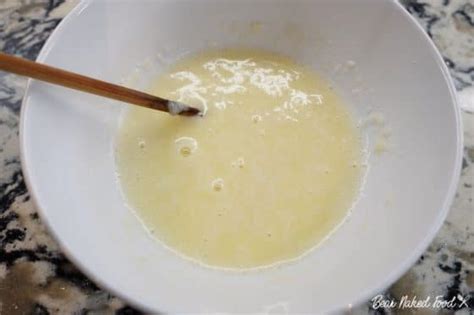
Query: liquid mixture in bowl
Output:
(271,169)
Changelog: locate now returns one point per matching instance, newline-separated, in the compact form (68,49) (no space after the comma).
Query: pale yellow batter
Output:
(268,172)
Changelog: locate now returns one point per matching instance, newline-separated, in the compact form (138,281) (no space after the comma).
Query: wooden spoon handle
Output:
(82,83)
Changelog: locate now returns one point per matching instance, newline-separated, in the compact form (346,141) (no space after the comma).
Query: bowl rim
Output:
(363,295)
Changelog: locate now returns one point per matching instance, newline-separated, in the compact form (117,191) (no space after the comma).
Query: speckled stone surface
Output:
(35,278)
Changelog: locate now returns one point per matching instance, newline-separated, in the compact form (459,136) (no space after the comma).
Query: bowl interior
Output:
(67,145)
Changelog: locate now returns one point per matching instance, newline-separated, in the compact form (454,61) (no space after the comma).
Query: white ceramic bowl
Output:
(67,147)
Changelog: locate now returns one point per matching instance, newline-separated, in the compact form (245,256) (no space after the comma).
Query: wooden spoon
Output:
(82,83)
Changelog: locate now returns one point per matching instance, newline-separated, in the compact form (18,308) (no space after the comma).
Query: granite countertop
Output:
(36,278)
